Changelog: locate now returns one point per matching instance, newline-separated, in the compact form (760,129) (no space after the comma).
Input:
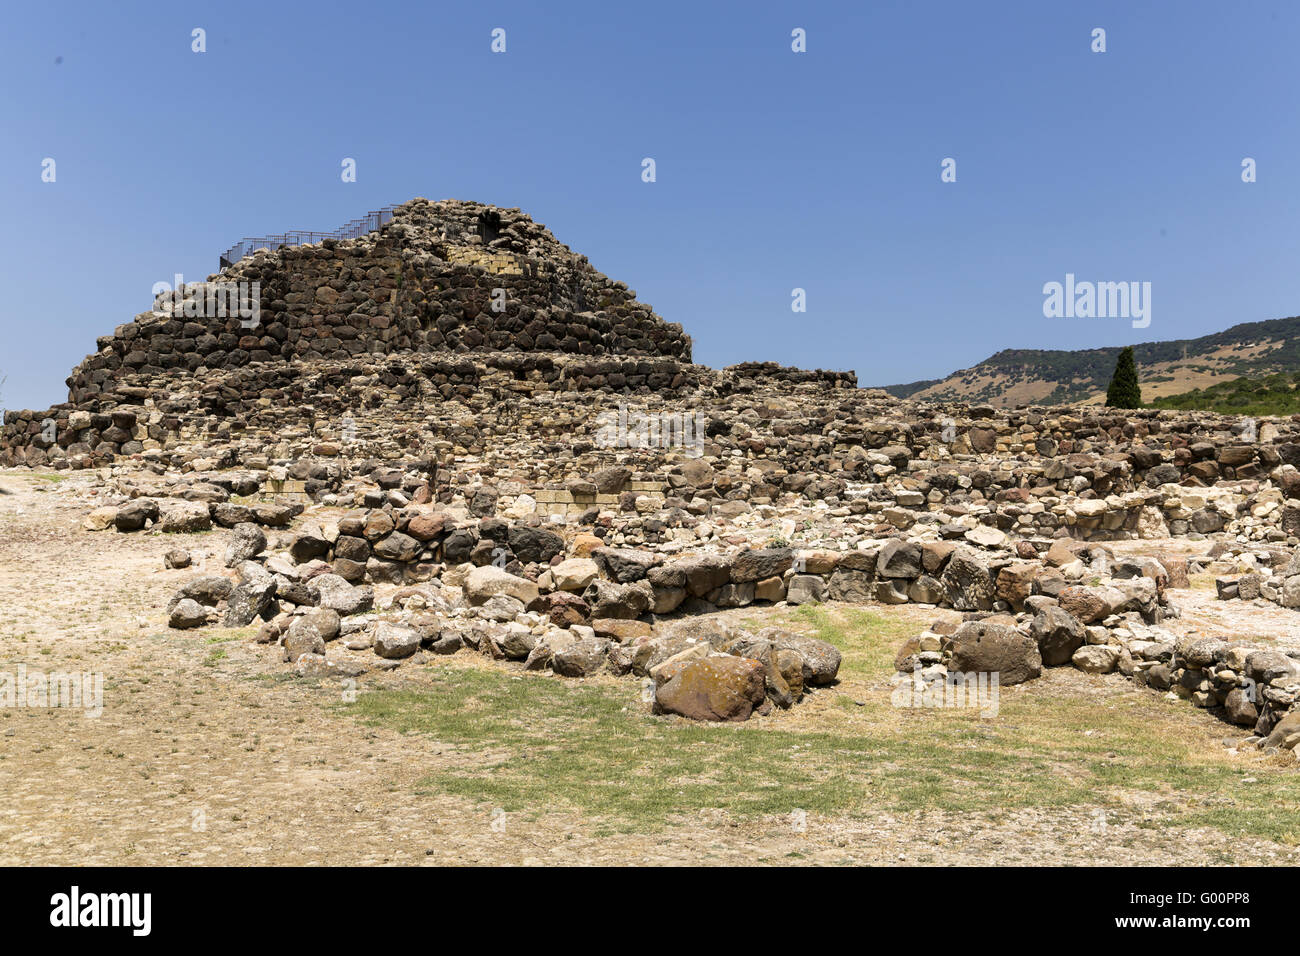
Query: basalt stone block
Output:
(624,565)
(968,580)
(426,527)
(714,689)
(398,547)
(1058,633)
(248,601)
(228,515)
(607,599)
(750,566)
(899,559)
(854,587)
(353,549)
(806,589)
(988,648)
(208,590)
(855,560)
(458,546)
(136,515)
(308,546)
(704,573)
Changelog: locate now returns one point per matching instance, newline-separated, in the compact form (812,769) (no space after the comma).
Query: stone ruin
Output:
(461,412)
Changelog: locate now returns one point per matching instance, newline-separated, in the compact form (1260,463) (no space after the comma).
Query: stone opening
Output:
(489,226)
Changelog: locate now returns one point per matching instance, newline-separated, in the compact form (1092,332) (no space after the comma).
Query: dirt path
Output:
(206,753)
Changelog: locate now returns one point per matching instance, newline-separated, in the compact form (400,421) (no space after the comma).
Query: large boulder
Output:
(395,641)
(821,659)
(805,589)
(500,607)
(610,481)
(543,652)
(667,669)
(1283,730)
(208,590)
(852,587)
(516,641)
(624,565)
(1058,633)
(581,658)
(188,613)
(250,600)
(246,543)
(1203,652)
(574,574)
(761,563)
(618,600)
(324,621)
(398,547)
(135,515)
(1016,582)
(184,516)
(565,609)
(790,664)
(426,527)
(1096,658)
(666,600)
(1091,604)
(337,594)
(303,637)
(899,559)
(228,515)
(622,630)
(534,545)
(968,580)
(708,629)
(1265,666)
(703,573)
(1240,708)
(489,581)
(459,545)
(714,688)
(697,472)
(984,647)
(648,655)
(309,545)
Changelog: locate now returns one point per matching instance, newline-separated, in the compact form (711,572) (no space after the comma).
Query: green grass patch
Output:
(538,743)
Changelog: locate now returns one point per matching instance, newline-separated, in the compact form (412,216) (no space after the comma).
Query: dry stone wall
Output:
(429,408)
(388,348)
(427,280)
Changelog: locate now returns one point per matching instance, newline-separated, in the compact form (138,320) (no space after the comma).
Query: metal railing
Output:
(357,227)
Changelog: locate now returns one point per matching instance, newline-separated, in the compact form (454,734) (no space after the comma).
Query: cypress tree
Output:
(1124,391)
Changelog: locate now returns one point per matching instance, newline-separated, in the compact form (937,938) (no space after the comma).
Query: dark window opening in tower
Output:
(489,226)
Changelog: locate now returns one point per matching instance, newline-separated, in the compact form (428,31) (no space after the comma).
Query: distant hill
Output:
(1045,377)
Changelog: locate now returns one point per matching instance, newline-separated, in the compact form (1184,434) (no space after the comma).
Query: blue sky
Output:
(776,170)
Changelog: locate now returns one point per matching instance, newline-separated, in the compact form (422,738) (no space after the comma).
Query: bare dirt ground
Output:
(1257,621)
(208,754)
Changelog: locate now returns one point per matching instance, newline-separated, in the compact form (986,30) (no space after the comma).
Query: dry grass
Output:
(1067,740)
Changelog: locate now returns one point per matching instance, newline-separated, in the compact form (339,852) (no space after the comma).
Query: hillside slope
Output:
(1046,377)
(1249,395)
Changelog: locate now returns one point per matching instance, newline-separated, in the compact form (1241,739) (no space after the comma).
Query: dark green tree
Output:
(1124,391)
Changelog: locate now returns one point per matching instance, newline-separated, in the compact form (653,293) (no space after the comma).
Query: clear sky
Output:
(776,170)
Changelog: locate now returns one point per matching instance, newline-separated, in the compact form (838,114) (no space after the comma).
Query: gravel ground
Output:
(205,759)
